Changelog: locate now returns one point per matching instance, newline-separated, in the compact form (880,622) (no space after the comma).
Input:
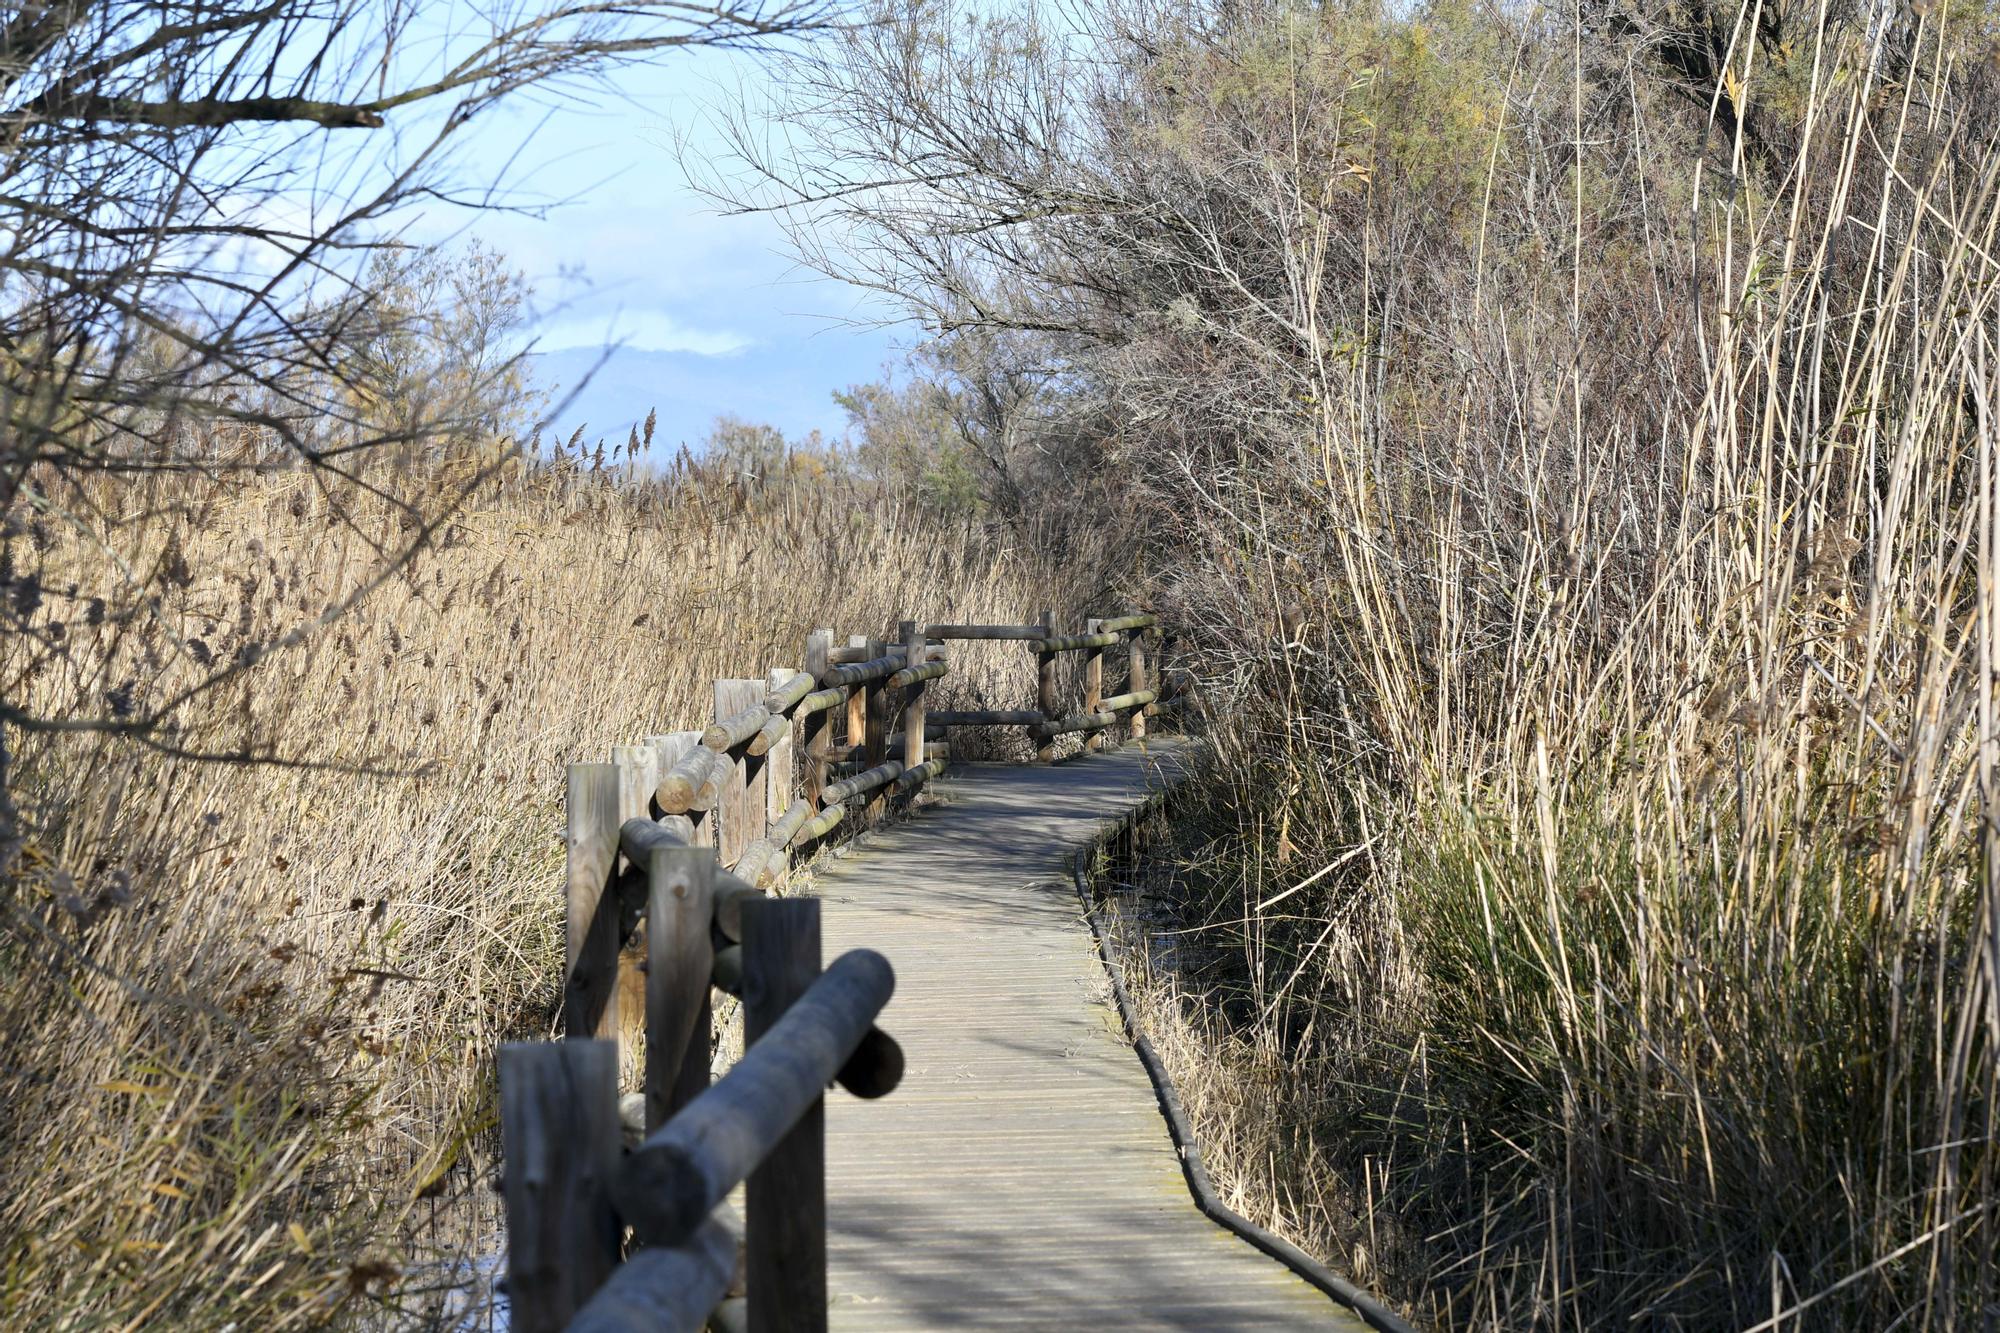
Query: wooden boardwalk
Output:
(1023,1175)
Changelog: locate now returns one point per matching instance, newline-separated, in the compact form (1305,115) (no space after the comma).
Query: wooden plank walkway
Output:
(1023,1174)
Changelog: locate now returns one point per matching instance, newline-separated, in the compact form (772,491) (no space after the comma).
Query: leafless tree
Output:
(189,194)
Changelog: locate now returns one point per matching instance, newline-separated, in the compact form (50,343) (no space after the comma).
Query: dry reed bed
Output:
(249,1011)
(1598,920)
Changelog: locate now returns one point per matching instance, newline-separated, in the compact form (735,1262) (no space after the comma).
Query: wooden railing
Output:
(672,846)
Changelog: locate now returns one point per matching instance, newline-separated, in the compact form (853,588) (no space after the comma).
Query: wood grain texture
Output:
(560,1142)
(1045,687)
(638,777)
(590,972)
(983,717)
(875,736)
(1022,1176)
(739,804)
(1093,680)
(780,780)
(679,960)
(672,1181)
(816,727)
(1028,632)
(785,1197)
(665,1290)
(1135,682)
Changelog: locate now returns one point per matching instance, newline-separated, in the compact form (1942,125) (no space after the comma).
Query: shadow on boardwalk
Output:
(1022,1175)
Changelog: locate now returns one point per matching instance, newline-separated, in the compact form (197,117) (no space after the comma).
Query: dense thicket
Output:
(1564,440)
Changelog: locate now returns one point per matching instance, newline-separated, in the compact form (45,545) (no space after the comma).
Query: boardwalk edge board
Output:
(1343,1292)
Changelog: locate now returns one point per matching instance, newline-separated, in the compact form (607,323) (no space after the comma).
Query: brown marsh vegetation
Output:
(1560,443)
(247,1030)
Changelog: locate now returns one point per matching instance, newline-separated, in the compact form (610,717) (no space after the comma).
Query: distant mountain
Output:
(791,388)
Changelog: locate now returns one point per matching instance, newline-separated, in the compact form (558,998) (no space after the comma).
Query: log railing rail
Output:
(672,846)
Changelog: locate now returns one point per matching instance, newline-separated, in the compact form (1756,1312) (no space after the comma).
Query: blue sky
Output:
(702,315)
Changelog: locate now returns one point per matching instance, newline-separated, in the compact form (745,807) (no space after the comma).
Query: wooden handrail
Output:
(909,676)
(1076,643)
(861,672)
(665,1290)
(653,917)
(735,729)
(861,783)
(1075,722)
(985,631)
(672,1181)
(1118,703)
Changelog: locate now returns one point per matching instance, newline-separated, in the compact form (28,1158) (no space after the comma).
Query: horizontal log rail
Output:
(673,1287)
(861,783)
(673,1180)
(1063,726)
(986,631)
(916,777)
(676,790)
(819,701)
(909,676)
(819,825)
(861,672)
(774,730)
(782,699)
(1119,703)
(735,729)
(987,717)
(1076,643)
(675,849)
(934,652)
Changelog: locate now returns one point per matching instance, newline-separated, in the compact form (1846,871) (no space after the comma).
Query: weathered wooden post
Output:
(1093,682)
(1135,681)
(638,776)
(560,1149)
(875,735)
(785,1230)
(590,972)
(857,706)
(680,957)
(818,726)
(740,805)
(912,634)
(1045,687)
(673,747)
(778,777)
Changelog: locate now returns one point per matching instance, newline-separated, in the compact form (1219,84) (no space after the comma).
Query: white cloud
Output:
(641,330)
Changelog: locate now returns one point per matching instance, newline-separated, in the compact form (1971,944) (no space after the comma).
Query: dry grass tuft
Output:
(249,1010)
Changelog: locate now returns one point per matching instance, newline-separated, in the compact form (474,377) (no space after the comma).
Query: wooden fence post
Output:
(590,971)
(680,957)
(675,744)
(638,777)
(785,1230)
(1093,684)
(875,735)
(1135,681)
(560,1148)
(778,778)
(739,809)
(912,633)
(818,726)
(1045,688)
(857,707)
